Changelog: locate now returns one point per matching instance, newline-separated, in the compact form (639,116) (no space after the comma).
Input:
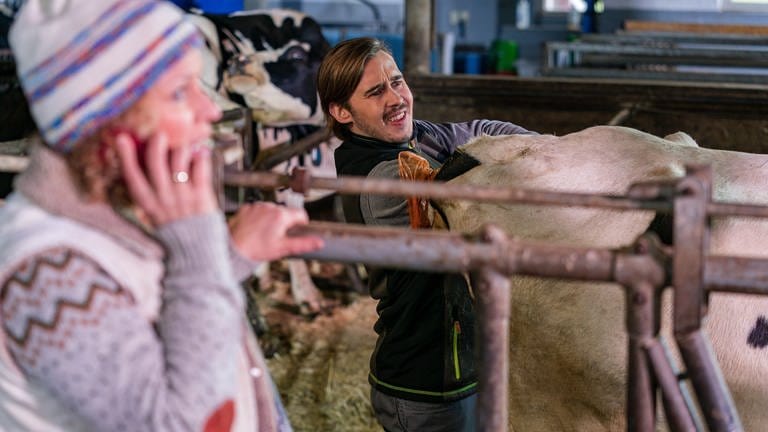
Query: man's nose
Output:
(393,96)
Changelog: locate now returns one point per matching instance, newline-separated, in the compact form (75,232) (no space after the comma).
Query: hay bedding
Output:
(320,364)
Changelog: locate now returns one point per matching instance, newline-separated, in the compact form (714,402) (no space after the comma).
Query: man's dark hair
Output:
(340,73)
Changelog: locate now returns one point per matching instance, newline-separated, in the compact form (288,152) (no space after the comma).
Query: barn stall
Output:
(718,115)
(491,256)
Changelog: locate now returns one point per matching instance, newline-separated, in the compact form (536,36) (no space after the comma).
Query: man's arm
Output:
(440,140)
(384,210)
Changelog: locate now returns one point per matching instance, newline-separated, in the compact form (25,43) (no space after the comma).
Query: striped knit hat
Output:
(84,62)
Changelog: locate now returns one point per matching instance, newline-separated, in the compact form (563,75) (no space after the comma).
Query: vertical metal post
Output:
(247,134)
(642,275)
(707,379)
(691,227)
(492,348)
(418,37)
(642,325)
(678,411)
(691,241)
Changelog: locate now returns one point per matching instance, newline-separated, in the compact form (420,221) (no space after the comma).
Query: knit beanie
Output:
(84,62)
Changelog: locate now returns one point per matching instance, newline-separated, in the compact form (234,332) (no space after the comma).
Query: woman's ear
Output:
(339,113)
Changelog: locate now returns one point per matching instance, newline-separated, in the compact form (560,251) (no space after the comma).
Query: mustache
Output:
(396,109)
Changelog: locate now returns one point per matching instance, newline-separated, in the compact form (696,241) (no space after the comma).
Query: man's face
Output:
(381,105)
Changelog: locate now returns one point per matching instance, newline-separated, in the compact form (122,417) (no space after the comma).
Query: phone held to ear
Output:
(140,145)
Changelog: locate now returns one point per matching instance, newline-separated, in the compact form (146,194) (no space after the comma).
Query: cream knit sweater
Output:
(108,328)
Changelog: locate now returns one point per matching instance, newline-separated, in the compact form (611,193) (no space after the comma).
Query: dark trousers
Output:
(401,415)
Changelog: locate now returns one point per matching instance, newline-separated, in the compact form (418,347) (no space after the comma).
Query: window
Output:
(566,5)
(557,5)
(744,5)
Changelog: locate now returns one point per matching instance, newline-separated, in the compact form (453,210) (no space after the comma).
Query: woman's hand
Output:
(176,184)
(259,232)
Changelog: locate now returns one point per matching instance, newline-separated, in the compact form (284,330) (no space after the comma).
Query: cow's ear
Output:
(339,113)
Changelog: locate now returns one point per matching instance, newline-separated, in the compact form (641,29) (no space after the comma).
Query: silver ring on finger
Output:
(180,177)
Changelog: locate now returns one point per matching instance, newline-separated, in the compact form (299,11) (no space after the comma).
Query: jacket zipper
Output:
(456,333)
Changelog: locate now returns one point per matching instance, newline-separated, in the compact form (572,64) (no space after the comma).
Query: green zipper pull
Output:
(456,333)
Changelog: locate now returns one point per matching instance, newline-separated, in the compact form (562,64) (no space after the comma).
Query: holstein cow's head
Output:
(266,60)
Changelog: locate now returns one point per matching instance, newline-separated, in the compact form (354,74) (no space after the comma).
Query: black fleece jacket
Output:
(426,325)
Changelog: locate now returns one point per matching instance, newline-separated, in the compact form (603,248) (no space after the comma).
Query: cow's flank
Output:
(567,339)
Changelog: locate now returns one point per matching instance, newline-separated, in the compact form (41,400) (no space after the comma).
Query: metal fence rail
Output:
(642,270)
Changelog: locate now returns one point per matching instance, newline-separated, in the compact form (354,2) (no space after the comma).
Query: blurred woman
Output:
(119,299)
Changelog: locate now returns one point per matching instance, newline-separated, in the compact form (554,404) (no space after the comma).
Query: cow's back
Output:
(568,340)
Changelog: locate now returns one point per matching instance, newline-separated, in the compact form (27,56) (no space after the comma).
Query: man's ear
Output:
(339,113)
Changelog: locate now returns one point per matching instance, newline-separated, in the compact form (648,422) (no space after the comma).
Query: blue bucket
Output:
(219,6)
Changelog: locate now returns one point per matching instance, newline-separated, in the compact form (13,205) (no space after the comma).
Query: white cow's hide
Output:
(568,342)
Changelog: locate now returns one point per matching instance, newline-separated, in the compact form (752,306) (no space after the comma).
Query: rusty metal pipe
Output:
(676,409)
(734,209)
(736,274)
(642,275)
(531,258)
(270,157)
(641,196)
(493,309)
(715,399)
(642,324)
(353,185)
(438,190)
(398,247)
(427,250)
(691,240)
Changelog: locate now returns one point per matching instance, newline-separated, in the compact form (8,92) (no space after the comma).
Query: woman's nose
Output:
(207,108)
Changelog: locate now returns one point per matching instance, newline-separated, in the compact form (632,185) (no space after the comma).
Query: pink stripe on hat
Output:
(78,80)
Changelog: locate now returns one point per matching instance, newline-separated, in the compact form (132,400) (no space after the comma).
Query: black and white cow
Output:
(16,121)
(266,60)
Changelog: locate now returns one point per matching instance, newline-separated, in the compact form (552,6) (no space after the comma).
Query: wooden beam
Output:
(678,27)
(722,99)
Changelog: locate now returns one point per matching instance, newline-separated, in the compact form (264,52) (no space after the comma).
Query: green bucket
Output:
(504,54)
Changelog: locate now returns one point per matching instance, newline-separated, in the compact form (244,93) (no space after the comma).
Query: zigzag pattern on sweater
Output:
(50,294)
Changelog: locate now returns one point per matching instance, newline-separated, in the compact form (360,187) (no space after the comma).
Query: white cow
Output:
(568,342)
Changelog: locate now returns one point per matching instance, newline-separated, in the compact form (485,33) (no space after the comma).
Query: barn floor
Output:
(320,364)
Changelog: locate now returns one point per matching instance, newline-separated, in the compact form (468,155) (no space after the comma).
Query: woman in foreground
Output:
(119,299)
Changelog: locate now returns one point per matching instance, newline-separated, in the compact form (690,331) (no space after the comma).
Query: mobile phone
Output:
(140,145)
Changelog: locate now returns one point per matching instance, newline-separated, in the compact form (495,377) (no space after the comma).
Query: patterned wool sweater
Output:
(107,328)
